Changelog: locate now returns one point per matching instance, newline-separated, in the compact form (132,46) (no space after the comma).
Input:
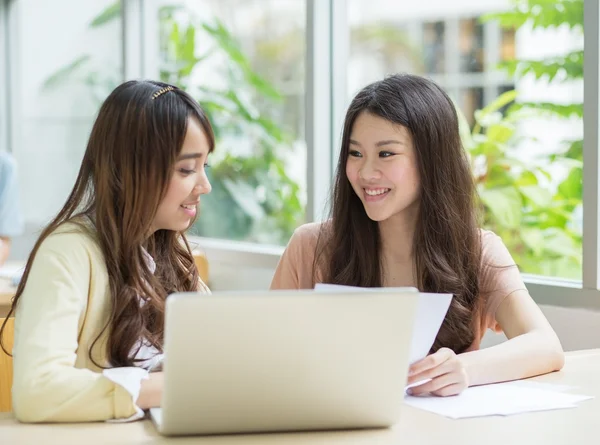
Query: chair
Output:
(6,366)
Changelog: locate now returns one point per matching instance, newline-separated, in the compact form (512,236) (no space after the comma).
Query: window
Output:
(535,201)
(520,92)
(244,61)
(59,75)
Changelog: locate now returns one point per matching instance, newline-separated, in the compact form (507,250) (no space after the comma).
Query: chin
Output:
(183,227)
(177,227)
(377,217)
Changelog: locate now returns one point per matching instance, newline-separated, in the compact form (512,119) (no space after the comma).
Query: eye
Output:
(185,171)
(385,154)
(206,165)
(355,153)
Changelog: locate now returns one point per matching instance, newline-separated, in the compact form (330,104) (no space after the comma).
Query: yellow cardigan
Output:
(63,308)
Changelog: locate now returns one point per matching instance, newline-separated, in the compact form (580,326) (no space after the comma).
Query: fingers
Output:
(450,390)
(441,372)
(431,361)
(431,373)
(437,384)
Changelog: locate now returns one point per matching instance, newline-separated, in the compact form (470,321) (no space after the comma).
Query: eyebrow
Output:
(190,156)
(380,143)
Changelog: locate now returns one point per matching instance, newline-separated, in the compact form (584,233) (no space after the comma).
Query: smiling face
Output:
(382,167)
(188,182)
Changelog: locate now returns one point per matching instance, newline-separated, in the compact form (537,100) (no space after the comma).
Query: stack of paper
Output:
(501,399)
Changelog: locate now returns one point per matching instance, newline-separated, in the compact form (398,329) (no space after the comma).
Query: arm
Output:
(533,347)
(151,391)
(295,267)
(47,386)
(286,274)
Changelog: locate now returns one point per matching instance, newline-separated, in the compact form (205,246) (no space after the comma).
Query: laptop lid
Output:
(239,362)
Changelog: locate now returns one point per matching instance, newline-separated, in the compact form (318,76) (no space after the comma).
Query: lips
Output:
(375,194)
(190,209)
(190,205)
(376,191)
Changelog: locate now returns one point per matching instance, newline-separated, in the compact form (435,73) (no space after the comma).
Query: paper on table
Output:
(540,385)
(431,310)
(501,399)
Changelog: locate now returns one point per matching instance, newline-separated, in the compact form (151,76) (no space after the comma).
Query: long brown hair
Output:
(447,244)
(124,175)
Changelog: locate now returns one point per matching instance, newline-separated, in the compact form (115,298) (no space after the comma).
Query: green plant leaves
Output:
(227,43)
(541,14)
(504,203)
(572,186)
(110,13)
(65,73)
(527,200)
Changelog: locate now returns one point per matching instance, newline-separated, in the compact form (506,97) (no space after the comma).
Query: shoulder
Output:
(308,232)
(306,237)
(295,267)
(73,242)
(66,269)
(493,250)
(500,276)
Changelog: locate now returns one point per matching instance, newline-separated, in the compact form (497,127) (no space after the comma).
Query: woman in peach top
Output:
(404,214)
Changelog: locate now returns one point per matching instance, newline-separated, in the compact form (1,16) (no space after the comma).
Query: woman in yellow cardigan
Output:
(89,311)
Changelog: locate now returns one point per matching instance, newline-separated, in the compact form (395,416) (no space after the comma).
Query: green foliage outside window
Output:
(535,221)
(253,199)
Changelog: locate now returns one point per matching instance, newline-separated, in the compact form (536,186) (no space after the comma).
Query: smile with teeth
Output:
(375,192)
(188,206)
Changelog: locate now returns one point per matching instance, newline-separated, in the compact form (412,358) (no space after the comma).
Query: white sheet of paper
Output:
(431,310)
(541,385)
(501,399)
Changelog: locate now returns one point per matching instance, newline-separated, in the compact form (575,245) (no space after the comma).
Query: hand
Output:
(447,373)
(151,391)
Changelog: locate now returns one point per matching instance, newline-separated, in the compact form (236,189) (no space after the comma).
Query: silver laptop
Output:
(243,362)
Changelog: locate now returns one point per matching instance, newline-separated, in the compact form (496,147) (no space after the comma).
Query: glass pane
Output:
(433,47)
(65,67)
(245,63)
(471,45)
(501,90)
(388,46)
(508,49)
(471,100)
(528,140)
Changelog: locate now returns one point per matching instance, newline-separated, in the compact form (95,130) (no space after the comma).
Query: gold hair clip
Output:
(162,91)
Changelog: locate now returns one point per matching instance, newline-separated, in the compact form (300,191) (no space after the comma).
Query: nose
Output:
(203,186)
(369,171)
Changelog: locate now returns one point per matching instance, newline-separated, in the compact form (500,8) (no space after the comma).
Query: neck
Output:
(397,235)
